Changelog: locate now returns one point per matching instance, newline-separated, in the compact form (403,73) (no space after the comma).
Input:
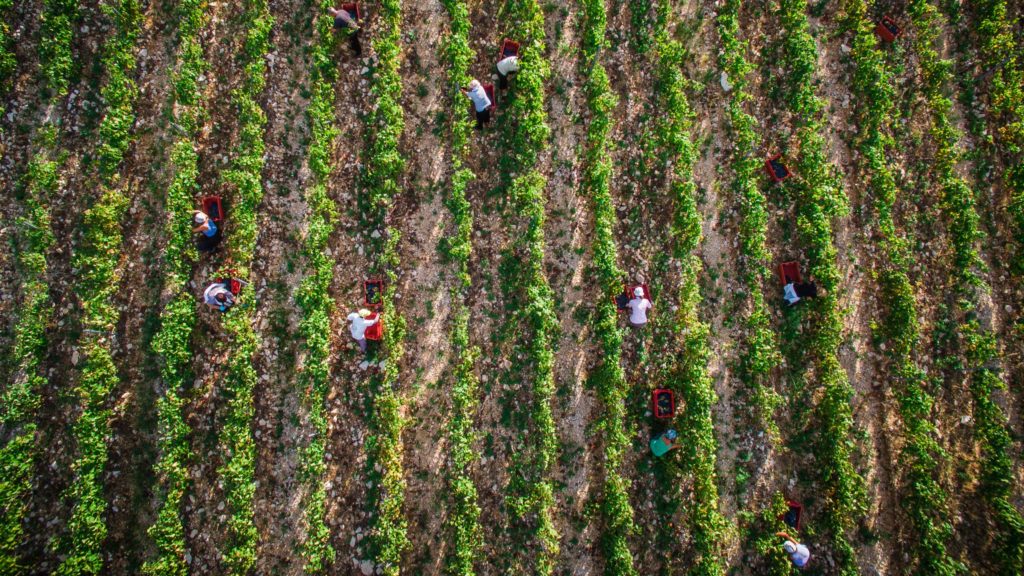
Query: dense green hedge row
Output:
(383,172)
(925,500)
(8,61)
(96,261)
(608,377)
(1000,59)
(172,342)
(979,345)
(20,398)
(820,199)
(530,493)
(761,353)
(314,295)
(463,520)
(689,373)
(56,30)
(245,175)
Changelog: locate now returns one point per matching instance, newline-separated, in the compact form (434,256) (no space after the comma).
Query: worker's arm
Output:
(371,322)
(787,537)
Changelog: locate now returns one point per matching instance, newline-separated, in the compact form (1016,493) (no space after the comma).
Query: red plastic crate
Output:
(375,332)
(212,207)
(793,516)
(373,292)
(888,30)
(353,10)
(627,294)
(789,270)
(489,89)
(776,170)
(663,403)
(508,48)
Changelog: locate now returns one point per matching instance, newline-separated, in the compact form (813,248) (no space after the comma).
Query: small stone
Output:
(726,85)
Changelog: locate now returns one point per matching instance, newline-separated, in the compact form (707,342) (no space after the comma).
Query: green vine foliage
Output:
(245,175)
(172,343)
(463,521)
(56,31)
(381,177)
(689,369)
(761,354)
(820,200)
(608,378)
(1000,58)
(977,341)
(8,61)
(925,500)
(530,491)
(314,296)
(96,263)
(20,399)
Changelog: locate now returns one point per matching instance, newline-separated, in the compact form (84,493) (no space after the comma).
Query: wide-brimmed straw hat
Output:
(364,313)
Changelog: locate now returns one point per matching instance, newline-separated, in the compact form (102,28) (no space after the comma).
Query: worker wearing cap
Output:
(662,444)
(798,553)
(506,66)
(358,326)
(204,225)
(481,102)
(218,296)
(638,307)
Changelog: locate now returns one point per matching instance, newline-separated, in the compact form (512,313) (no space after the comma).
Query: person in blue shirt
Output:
(209,233)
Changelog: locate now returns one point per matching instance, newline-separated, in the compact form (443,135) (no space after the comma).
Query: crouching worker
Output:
(358,326)
(793,292)
(664,443)
(218,295)
(209,233)
(506,66)
(481,103)
(799,554)
(344,21)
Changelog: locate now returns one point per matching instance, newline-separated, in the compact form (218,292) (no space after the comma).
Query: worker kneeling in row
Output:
(209,232)
(359,324)
(506,66)
(793,292)
(218,295)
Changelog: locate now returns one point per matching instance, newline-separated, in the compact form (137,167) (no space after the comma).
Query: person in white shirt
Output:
(506,66)
(359,326)
(218,296)
(798,553)
(638,308)
(481,103)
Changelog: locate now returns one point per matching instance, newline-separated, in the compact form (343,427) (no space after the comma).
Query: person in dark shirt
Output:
(344,21)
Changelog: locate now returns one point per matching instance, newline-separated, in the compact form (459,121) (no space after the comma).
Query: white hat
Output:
(638,292)
(474,84)
(364,313)
(199,218)
(789,547)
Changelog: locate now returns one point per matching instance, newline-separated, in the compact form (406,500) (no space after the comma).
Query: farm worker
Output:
(798,553)
(789,293)
(481,103)
(506,66)
(638,308)
(344,21)
(207,228)
(218,296)
(359,326)
(793,292)
(662,444)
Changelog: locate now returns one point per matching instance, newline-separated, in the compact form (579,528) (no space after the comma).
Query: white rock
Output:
(366,567)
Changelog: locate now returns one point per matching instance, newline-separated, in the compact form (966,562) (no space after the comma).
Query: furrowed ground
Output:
(502,425)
